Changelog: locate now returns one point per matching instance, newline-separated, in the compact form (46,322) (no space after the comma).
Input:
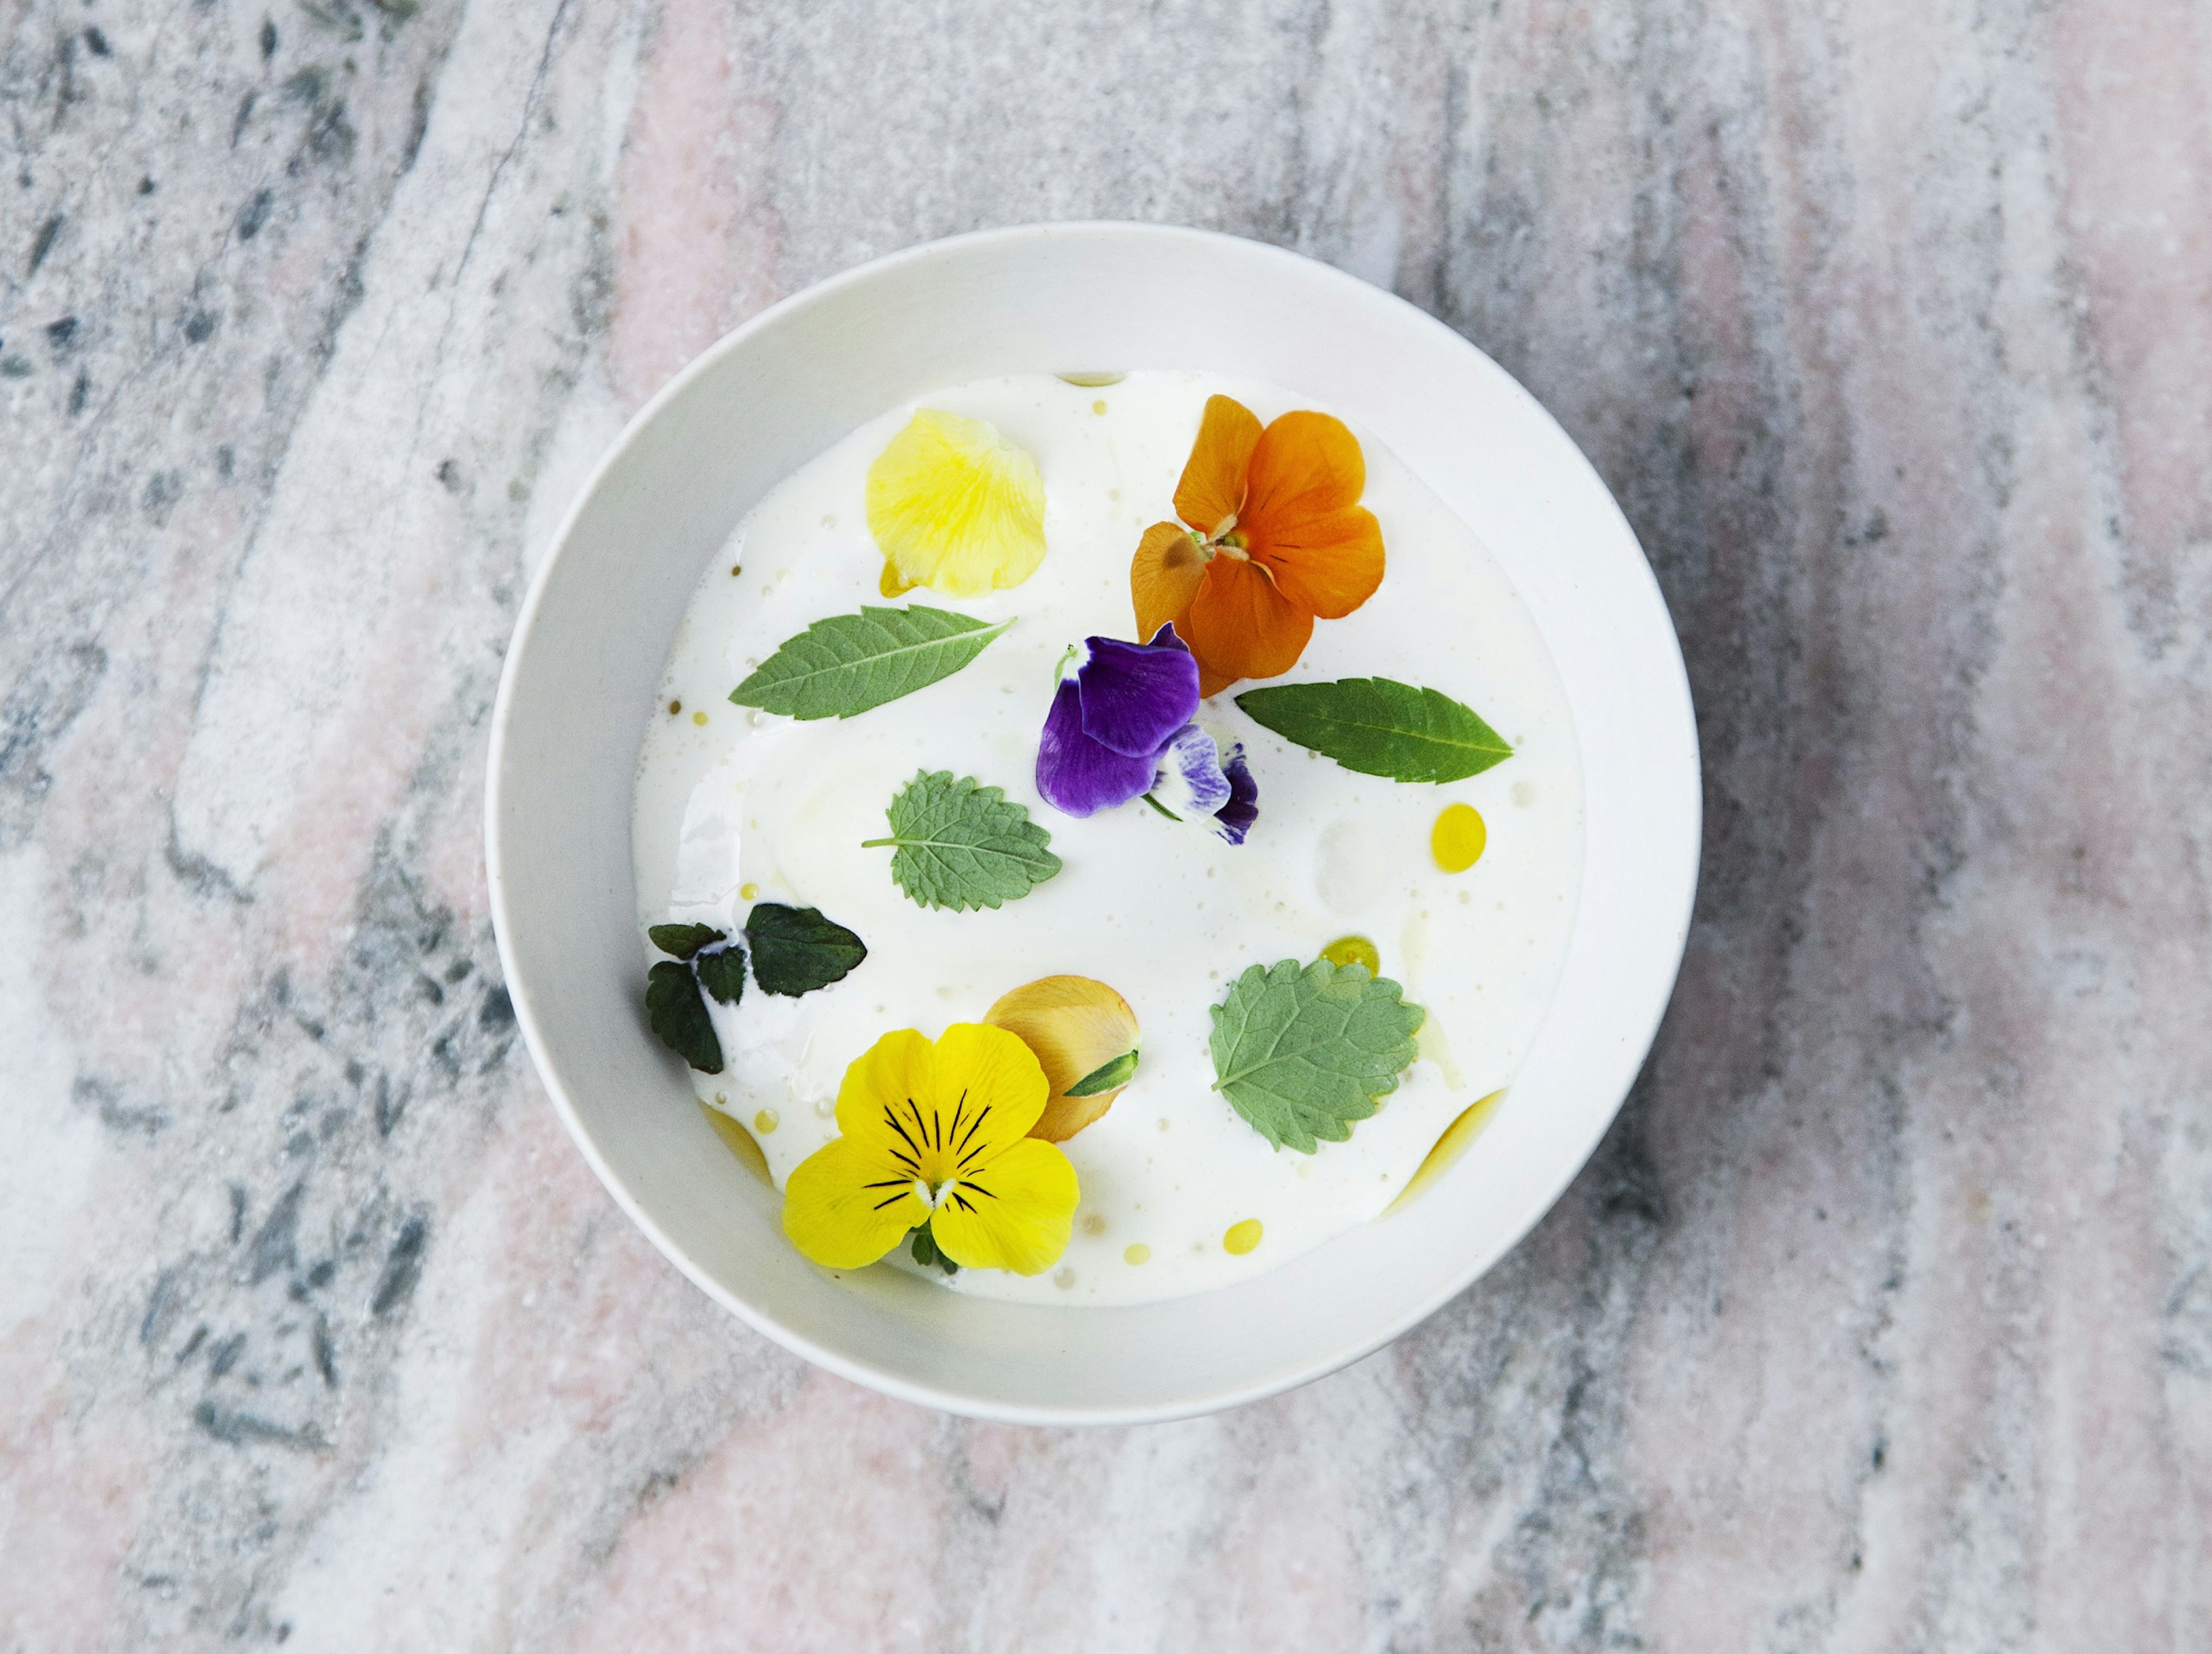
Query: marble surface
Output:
(1883,1319)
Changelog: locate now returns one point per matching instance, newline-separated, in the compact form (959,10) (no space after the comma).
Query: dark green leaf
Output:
(1379,728)
(962,845)
(722,972)
(1301,1053)
(796,949)
(926,1252)
(683,940)
(678,1015)
(1106,1076)
(849,663)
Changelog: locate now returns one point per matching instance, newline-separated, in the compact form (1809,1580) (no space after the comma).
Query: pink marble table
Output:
(1883,1320)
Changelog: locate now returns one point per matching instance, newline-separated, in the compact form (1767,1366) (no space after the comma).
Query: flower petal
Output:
(993,1083)
(1073,1026)
(1212,485)
(836,1211)
(1017,1215)
(1305,464)
(1190,782)
(1163,576)
(1075,775)
(956,506)
(1136,696)
(872,1097)
(1241,627)
(1243,809)
(1328,565)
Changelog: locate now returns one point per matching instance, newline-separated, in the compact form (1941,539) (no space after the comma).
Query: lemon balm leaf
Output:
(678,1012)
(848,664)
(959,844)
(796,949)
(1301,1052)
(1381,728)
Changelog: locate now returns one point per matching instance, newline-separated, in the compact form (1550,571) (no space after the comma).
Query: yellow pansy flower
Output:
(955,507)
(937,1135)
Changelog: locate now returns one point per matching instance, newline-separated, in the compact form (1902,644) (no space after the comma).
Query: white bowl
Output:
(581,681)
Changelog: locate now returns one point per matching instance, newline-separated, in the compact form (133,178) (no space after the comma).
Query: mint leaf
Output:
(849,663)
(960,844)
(796,949)
(1379,728)
(678,1016)
(1301,1053)
(683,940)
(722,971)
(1105,1077)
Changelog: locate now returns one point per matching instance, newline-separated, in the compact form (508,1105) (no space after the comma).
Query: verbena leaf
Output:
(849,663)
(1379,728)
(796,949)
(678,1015)
(683,940)
(1105,1077)
(722,971)
(960,844)
(1301,1053)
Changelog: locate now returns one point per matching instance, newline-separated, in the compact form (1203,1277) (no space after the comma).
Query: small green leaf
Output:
(1106,1076)
(1301,1052)
(1380,727)
(926,1252)
(796,949)
(849,663)
(722,971)
(678,1015)
(683,940)
(959,844)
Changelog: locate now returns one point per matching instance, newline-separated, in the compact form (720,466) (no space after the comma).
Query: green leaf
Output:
(678,1015)
(849,663)
(722,971)
(1301,1052)
(926,1252)
(1379,728)
(960,844)
(796,949)
(684,940)
(1106,1076)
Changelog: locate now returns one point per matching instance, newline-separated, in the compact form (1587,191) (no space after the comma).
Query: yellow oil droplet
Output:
(739,1142)
(1448,1148)
(766,1121)
(675,707)
(1063,1278)
(699,718)
(735,570)
(1099,406)
(1354,950)
(1457,839)
(1094,1222)
(1241,1236)
(747,892)
(1137,1253)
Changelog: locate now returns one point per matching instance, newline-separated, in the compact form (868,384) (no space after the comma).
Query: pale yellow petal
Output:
(1073,1025)
(1017,1215)
(956,507)
(844,1210)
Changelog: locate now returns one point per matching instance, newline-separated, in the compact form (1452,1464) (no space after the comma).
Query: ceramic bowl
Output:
(595,631)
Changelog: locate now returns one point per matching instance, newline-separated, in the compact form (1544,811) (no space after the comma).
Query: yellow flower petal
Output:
(836,1211)
(1073,1026)
(1017,1214)
(872,1098)
(956,507)
(988,1075)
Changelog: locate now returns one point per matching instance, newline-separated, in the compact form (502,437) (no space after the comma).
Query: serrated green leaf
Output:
(678,1014)
(848,662)
(1301,1052)
(722,971)
(683,940)
(1105,1077)
(959,844)
(796,949)
(1381,728)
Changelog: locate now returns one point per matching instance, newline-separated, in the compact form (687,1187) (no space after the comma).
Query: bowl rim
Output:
(1675,691)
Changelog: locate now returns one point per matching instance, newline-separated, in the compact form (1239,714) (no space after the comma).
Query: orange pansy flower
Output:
(1273,537)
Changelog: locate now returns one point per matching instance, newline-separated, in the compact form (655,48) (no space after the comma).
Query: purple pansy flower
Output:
(1112,717)
(1197,781)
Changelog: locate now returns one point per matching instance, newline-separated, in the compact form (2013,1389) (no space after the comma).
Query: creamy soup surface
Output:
(735,805)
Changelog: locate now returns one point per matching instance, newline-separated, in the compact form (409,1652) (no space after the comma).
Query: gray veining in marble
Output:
(1883,1320)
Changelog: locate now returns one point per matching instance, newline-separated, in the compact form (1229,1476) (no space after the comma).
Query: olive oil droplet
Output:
(1354,950)
(1242,1237)
(1137,1252)
(1458,839)
(766,1121)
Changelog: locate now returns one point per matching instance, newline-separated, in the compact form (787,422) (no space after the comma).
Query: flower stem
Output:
(1158,806)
